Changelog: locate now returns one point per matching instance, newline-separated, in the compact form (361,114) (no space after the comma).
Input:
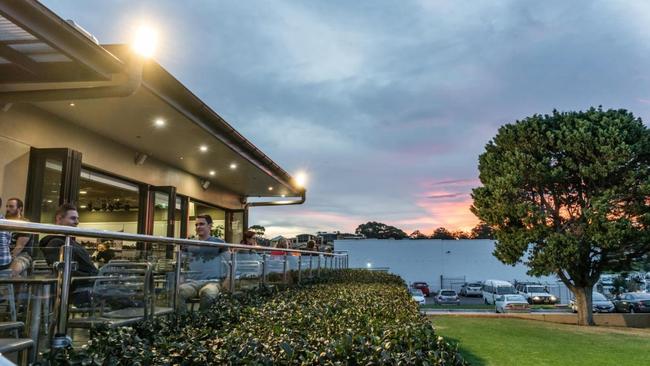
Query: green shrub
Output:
(350,317)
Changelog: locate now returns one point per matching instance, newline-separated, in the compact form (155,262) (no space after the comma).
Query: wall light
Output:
(144,42)
(83,192)
(301,179)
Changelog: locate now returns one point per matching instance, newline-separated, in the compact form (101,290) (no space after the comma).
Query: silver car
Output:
(447,296)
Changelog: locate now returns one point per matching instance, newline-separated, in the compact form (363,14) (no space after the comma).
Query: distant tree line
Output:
(378,230)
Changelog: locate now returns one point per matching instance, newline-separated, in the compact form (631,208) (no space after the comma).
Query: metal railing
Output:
(64,267)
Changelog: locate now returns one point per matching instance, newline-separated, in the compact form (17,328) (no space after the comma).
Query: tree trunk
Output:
(584,304)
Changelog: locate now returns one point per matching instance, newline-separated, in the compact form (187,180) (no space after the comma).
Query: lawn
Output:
(499,341)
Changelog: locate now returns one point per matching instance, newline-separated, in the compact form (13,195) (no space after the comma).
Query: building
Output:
(115,133)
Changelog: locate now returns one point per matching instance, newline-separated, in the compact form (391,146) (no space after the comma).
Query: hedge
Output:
(345,317)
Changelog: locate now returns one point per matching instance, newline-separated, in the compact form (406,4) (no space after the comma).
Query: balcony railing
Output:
(143,281)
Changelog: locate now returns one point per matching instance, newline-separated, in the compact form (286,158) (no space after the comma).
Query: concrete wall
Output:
(24,126)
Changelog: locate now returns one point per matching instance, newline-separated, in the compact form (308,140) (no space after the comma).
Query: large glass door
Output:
(52,179)
(160,221)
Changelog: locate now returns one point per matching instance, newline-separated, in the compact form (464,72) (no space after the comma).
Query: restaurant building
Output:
(112,131)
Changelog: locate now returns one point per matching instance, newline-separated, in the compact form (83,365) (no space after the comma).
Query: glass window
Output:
(218,218)
(160,213)
(107,203)
(51,192)
(237,226)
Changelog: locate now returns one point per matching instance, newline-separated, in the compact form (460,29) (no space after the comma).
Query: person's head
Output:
(101,247)
(249,237)
(311,244)
(203,226)
(67,215)
(283,244)
(14,208)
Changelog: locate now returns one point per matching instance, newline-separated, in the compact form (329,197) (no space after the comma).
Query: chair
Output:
(121,295)
(9,295)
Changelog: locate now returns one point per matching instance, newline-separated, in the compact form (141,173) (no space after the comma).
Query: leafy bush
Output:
(344,317)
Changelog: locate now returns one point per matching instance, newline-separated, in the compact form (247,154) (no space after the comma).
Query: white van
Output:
(493,288)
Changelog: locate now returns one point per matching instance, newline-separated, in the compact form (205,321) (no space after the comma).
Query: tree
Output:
(417,235)
(482,231)
(442,233)
(460,235)
(377,230)
(258,230)
(567,194)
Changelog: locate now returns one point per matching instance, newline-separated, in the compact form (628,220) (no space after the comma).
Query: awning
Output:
(58,67)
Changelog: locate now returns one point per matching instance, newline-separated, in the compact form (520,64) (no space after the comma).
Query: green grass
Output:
(499,341)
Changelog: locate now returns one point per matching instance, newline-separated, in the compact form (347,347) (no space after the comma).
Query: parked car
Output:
(471,289)
(447,296)
(418,296)
(493,288)
(423,286)
(536,293)
(511,303)
(600,304)
(633,302)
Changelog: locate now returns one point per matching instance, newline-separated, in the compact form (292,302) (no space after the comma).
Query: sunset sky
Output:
(387,104)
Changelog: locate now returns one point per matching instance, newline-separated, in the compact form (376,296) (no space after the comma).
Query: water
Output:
(428,260)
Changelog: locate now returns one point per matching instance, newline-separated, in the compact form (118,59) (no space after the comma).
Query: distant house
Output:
(275,241)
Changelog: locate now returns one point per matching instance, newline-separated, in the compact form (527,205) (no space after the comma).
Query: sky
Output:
(386,104)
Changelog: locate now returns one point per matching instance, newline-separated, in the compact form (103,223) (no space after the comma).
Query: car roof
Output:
(447,289)
(498,283)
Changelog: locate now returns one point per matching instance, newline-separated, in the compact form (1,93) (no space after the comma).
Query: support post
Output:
(264,268)
(318,273)
(233,271)
(310,265)
(177,277)
(64,273)
(284,268)
(299,268)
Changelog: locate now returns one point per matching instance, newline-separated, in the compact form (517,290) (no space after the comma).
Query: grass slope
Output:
(498,341)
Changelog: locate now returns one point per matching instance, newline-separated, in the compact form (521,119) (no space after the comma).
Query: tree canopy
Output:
(258,230)
(442,233)
(567,194)
(482,231)
(377,230)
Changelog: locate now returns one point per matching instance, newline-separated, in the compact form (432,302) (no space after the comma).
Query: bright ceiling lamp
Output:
(301,179)
(144,42)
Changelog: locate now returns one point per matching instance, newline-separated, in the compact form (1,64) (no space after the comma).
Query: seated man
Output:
(67,215)
(204,265)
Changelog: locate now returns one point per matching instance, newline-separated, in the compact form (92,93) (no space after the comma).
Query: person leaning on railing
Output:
(205,267)
(67,215)
(22,244)
(5,241)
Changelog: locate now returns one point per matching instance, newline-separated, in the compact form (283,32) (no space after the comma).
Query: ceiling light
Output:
(144,42)
(159,122)
(203,148)
(71,104)
(233,166)
(212,172)
(284,195)
(49,201)
(181,158)
(270,188)
(83,192)
(82,206)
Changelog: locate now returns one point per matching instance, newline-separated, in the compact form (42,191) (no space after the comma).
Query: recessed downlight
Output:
(203,148)
(159,122)
(212,173)
(270,188)
(233,166)
(83,192)
(71,104)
